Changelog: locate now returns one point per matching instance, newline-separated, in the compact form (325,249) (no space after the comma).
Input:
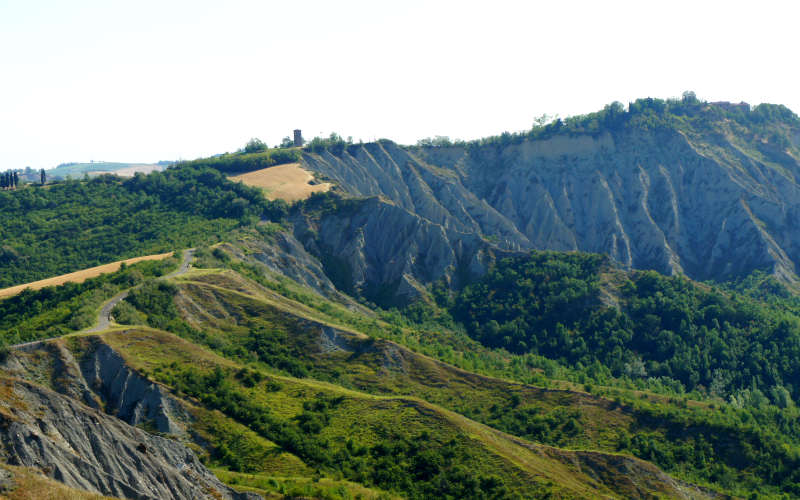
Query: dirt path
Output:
(104,317)
(188,254)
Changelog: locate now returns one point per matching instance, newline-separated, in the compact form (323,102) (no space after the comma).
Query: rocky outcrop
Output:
(102,380)
(89,450)
(715,205)
(129,396)
(76,421)
(435,194)
(380,250)
(283,254)
(651,201)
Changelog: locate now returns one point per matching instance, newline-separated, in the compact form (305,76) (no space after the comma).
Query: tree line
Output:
(10,181)
(78,224)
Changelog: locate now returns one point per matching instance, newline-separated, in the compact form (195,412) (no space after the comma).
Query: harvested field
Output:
(286,182)
(131,170)
(79,276)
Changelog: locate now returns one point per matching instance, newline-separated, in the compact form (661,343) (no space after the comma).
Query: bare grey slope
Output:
(710,206)
(65,434)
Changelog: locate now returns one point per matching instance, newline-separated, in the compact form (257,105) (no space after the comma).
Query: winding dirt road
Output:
(104,317)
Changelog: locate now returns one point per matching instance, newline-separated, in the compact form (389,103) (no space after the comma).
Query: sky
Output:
(149,80)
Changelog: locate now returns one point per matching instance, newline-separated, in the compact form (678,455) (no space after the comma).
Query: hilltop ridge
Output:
(515,317)
(706,190)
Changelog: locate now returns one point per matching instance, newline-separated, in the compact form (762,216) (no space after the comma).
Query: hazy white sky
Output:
(160,80)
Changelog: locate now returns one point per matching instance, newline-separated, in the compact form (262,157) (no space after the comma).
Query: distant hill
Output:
(77,170)
(519,316)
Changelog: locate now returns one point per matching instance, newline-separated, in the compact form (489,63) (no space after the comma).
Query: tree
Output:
(255,145)
(438,141)
(43,177)
(689,97)
(16,179)
(544,119)
(287,142)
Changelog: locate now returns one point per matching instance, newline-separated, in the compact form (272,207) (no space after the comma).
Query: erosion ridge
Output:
(95,450)
(383,367)
(89,450)
(711,203)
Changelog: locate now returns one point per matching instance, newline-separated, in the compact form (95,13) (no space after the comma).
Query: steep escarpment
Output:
(80,426)
(435,194)
(89,450)
(700,194)
(380,250)
(657,200)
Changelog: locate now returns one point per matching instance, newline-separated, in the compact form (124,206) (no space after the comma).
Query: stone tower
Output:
(298,137)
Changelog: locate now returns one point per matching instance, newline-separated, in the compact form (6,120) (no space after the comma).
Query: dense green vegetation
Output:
(644,329)
(333,143)
(266,340)
(79,224)
(741,446)
(55,311)
(417,466)
(690,114)
(719,343)
(253,157)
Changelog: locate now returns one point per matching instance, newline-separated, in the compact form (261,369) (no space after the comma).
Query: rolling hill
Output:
(601,307)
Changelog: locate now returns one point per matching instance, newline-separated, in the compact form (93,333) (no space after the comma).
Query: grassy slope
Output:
(365,419)
(30,484)
(226,307)
(230,307)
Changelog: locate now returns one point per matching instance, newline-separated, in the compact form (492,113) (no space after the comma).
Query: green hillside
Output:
(79,224)
(401,338)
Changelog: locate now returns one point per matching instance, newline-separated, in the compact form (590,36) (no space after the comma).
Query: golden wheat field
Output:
(287,182)
(79,276)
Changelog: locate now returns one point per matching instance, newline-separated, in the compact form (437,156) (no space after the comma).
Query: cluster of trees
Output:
(416,465)
(54,311)
(439,141)
(253,157)
(80,224)
(687,114)
(254,145)
(334,143)
(719,343)
(9,180)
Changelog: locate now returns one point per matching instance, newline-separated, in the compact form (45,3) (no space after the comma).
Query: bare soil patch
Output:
(79,276)
(131,170)
(287,182)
